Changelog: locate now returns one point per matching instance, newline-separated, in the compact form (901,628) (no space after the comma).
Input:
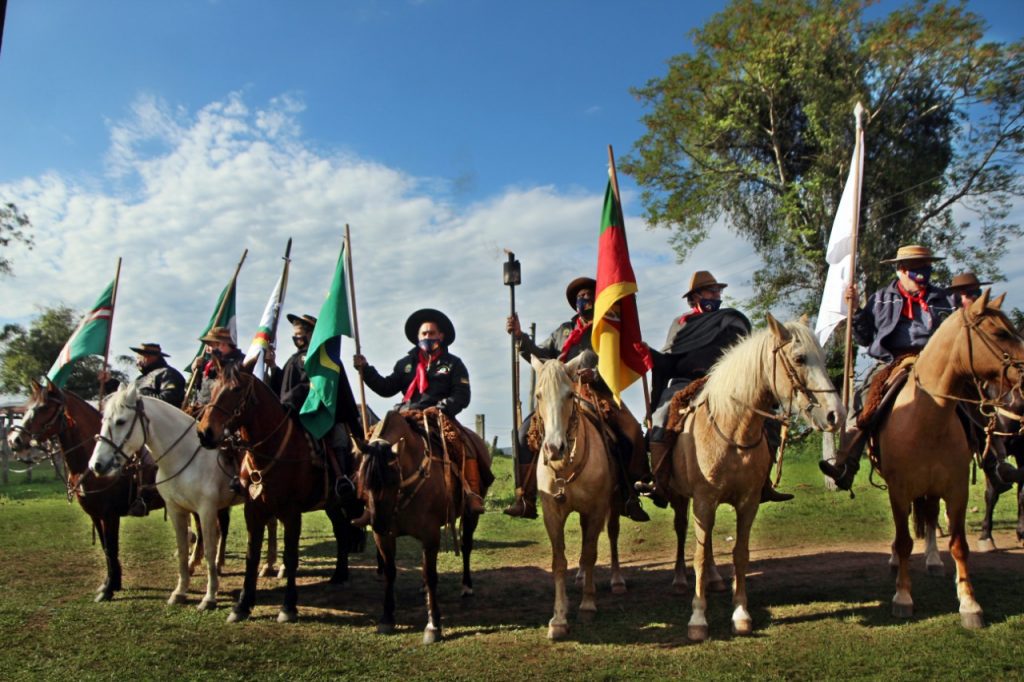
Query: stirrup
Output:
(843,474)
(343,486)
(138,507)
(521,509)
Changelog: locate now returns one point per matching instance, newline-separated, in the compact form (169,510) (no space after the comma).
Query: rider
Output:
(966,289)
(696,340)
(220,347)
(898,320)
(429,377)
(565,343)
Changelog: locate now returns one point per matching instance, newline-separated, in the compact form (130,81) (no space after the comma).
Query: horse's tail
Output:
(925,510)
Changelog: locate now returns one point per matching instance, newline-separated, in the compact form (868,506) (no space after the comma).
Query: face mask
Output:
(710,305)
(216,353)
(922,275)
(585,307)
(428,345)
(141,364)
(300,342)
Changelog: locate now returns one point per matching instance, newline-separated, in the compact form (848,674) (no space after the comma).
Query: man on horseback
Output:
(220,349)
(430,379)
(966,289)
(695,341)
(897,321)
(569,340)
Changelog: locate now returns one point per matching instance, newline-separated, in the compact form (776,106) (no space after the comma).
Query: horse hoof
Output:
(106,595)
(237,616)
(385,628)
(986,545)
(697,633)
(431,635)
(177,598)
(619,588)
(587,615)
(742,628)
(902,610)
(266,571)
(972,621)
(936,569)
(280,573)
(287,616)
(718,586)
(557,632)
(467,591)
(207,605)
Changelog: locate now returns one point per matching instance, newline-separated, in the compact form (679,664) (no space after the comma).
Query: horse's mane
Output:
(551,375)
(379,472)
(230,375)
(119,401)
(741,375)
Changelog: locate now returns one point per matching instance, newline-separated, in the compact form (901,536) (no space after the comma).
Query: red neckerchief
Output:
(910,299)
(686,316)
(574,337)
(419,382)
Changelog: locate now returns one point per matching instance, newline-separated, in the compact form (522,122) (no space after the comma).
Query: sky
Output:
(177,135)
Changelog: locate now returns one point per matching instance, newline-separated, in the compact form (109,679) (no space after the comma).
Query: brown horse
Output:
(1010,441)
(288,479)
(415,489)
(923,450)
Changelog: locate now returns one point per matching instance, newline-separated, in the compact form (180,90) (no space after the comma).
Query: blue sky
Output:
(177,134)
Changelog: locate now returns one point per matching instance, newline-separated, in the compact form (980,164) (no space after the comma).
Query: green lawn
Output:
(819,593)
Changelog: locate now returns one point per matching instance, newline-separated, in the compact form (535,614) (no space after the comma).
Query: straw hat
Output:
(702,279)
(966,281)
(218,335)
(913,252)
(575,286)
(302,319)
(149,349)
(412,325)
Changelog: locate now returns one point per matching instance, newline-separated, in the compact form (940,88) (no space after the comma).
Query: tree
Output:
(14,227)
(28,354)
(756,127)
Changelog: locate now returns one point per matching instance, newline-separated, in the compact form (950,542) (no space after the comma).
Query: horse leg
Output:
(680,512)
(179,520)
(110,530)
(928,508)
(469,524)
(971,616)
(255,523)
(902,546)
(618,581)
(431,633)
(342,529)
(386,561)
(742,624)
(211,537)
(270,567)
(223,524)
(558,626)
(716,583)
(289,613)
(591,525)
(703,524)
(196,558)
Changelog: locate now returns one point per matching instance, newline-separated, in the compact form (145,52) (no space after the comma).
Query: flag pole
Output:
(355,328)
(110,328)
(618,200)
(848,355)
(220,310)
(281,293)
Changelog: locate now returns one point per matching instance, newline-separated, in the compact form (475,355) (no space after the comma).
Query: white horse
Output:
(190,477)
(575,475)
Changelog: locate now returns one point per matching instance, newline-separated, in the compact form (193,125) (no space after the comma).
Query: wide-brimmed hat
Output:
(302,319)
(575,286)
(702,279)
(149,349)
(218,335)
(412,325)
(966,281)
(913,252)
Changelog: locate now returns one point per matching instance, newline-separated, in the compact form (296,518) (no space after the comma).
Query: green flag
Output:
(223,315)
(323,359)
(89,338)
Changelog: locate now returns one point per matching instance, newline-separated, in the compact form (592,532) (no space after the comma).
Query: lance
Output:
(512,277)
(110,329)
(355,329)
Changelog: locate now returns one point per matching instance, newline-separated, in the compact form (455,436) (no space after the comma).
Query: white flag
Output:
(839,254)
(265,335)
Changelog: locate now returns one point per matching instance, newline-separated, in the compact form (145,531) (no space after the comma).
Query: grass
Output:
(819,595)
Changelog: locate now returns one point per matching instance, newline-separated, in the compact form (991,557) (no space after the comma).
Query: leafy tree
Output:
(14,227)
(29,354)
(755,127)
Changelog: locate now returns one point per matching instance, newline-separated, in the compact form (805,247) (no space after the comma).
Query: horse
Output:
(414,488)
(721,455)
(190,478)
(924,455)
(1010,440)
(287,479)
(576,474)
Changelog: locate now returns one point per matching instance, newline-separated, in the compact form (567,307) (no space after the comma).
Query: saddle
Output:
(457,440)
(681,404)
(882,392)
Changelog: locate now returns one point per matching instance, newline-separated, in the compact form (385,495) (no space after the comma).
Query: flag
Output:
(621,358)
(323,359)
(89,338)
(839,254)
(223,315)
(266,334)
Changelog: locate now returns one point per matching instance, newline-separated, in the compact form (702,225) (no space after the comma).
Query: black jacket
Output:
(294,382)
(551,347)
(162,381)
(447,382)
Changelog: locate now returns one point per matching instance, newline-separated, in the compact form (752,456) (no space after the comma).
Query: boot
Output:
(851,444)
(471,473)
(633,510)
(1002,474)
(363,520)
(1007,473)
(525,504)
(661,443)
(770,494)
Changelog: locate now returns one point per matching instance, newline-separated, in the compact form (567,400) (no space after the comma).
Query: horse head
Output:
(122,432)
(231,397)
(380,469)
(43,418)
(556,403)
(994,350)
(799,376)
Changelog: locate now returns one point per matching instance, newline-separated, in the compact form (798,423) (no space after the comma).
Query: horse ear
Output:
(358,446)
(778,330)
(397,447)
(805,320)
(536,363)
(997,303)
(978,307)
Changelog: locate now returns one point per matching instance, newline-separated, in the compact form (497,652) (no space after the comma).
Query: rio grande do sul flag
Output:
(89,338)
(621,358)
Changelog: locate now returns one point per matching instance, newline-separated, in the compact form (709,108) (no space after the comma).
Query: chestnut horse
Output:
(576,474)
(923,450)
(288,479)
(721,456)
(415,489)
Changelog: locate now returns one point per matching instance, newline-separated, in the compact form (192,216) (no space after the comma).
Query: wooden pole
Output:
(110,330)
(355,329)
(848,356)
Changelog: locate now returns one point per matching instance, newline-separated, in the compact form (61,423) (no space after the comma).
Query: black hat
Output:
(412,325)
(149,349)
(302,319)
(575,286)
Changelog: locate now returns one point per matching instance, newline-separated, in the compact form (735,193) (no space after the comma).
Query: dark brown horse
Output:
(288,478)
(415,488)
(1008,441)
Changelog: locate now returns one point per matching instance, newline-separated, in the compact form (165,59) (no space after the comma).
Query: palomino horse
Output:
(189,477)
(923,451)
(576,475)
(287,477)
(721,456)
(415,489)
